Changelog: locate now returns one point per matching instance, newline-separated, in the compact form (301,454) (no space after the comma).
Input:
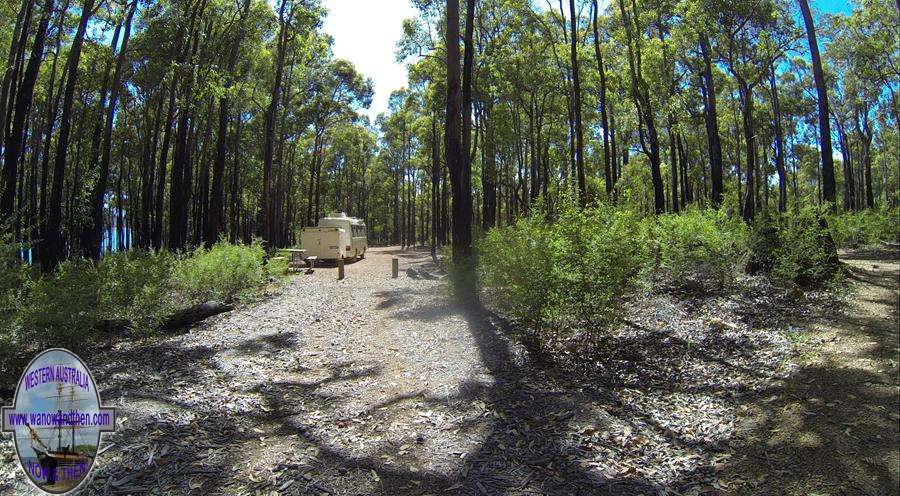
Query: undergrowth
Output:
(72,306)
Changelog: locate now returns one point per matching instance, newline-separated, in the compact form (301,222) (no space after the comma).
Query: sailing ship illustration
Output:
(64,465)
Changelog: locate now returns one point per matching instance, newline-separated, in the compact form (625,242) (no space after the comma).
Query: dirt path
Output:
(375,385)
(834,426)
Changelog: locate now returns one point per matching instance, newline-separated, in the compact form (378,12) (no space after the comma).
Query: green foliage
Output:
(136,286)
(867,227)
(61,309)
(69,306)
(567,276)
(805,253)
(698,249)
(223,272)
(516,262)
(277,269)
(13,277)
(763,242)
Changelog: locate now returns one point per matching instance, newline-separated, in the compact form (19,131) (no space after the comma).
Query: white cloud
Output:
(366,33)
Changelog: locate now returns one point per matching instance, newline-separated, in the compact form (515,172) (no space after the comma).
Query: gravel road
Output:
(374,385)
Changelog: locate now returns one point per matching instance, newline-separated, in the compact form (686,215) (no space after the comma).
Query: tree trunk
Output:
(266,214)
(604,117)
(712,125)
(673,165)
(7,86)
(435,185)
(92,238)
(457,161)
(489,167)
(779,143)
(216,219)
(749,207)
(52,248)
(828,182)
(576,105)
(180,181)
(641,96)
(866,133)
(15,141)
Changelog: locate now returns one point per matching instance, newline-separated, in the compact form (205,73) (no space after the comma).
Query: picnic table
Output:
(297,258)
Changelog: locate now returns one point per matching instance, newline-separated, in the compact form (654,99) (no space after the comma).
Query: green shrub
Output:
(67,307)
(136,286)
(867,227)
(763,242)
(224,272)
(697,248)
(13,277)
(566,276)
(62,308)
(805,253)
(516,262)
(600,257)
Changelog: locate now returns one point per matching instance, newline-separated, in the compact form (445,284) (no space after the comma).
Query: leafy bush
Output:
(62,308)
(568,275)
(13,277)
(223,272)
(805,253)
(516,262)
(867,227)
(136,286)
(764,240)
(697,248)
(67,307)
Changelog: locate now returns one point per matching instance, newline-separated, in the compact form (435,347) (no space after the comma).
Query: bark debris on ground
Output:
(373,385)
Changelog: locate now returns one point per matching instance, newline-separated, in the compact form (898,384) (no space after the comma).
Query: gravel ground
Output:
(373,385)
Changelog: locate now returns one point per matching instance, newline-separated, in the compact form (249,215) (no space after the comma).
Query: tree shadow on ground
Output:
(831,428)
(532,435)
(828,430)
(526,447)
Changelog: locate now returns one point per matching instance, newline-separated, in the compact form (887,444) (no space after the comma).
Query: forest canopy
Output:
(170,125)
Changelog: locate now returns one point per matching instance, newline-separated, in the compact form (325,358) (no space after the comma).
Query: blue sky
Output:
(831,6)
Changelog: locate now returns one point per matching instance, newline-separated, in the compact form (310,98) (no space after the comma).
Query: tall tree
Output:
(828,181)
(15,140)
(267,211)
(93,231)
(640,94)
(457,162)
(51,249)
(604,116)
(576,104)
(216,218)
(711,118)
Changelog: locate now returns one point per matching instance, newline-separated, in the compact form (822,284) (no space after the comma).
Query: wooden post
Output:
(395,267)
(340,269)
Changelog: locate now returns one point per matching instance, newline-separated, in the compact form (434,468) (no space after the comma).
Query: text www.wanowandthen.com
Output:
(61,419)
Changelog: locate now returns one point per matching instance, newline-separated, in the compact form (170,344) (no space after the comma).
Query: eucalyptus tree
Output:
(754,34)
(52,249)
(828,182)
(634,29)
(340,92)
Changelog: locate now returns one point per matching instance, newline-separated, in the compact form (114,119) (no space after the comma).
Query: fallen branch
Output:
(191,315)
(185,317)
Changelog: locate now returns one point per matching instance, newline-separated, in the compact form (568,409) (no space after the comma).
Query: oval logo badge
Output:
(56,420)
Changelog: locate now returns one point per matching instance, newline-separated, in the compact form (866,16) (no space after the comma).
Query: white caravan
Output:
(337,236)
